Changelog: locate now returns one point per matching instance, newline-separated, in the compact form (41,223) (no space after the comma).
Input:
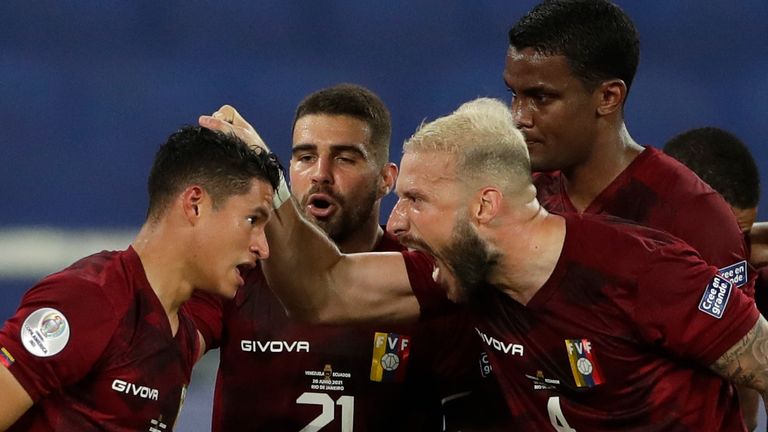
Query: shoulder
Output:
(669,175)
(606,229)
(101,277)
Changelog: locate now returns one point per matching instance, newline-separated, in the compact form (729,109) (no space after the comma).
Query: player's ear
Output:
(611,95)
(191,203)
(487,205)
(388,177)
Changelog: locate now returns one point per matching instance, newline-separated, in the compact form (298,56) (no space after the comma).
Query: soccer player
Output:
(277,374)
(720,159)
(569,67)
(591,322)
(104,344)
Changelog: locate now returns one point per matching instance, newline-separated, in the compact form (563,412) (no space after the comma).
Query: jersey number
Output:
(328,413)
(556,415)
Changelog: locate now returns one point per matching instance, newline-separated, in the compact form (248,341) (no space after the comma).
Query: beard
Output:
(470,259)
(350,215)
(467,256)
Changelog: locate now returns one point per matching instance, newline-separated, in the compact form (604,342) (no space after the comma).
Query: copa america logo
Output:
(52,325)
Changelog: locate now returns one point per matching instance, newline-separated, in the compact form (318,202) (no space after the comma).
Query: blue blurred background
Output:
(90,89)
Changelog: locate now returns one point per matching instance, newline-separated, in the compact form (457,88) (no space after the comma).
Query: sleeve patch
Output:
(716,296)
(45,332)
(736,273)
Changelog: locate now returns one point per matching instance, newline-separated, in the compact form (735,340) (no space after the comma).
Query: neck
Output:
(364,238)
(160,254)
(531,243)
(611,155)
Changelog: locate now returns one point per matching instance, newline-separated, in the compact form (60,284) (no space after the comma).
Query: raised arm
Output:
(746,363)
(313,279)
(316,282)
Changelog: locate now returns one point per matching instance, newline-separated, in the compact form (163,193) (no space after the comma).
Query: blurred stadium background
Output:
(90,89)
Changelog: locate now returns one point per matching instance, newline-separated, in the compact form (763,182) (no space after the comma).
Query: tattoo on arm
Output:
(746,363)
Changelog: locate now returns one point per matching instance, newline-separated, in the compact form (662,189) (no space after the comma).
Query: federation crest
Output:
(390,356)
(584,366)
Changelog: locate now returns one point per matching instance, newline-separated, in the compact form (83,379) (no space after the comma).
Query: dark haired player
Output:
(279,374)
(104,344)
(570,65)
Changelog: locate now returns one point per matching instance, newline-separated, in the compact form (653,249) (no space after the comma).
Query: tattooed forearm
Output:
(746,363)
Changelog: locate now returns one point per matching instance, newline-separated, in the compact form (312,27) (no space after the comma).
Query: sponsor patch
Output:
(586,372)
(485,365)
(736,273)
(716,296)
(45,332)
(390,357)
(6,358)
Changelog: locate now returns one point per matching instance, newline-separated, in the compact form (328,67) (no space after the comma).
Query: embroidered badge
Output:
(390,357)
(716,296)
(736,273)
(585,370)
(45,332)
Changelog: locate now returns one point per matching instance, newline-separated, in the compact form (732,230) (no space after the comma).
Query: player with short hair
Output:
(570,65)
(104,344)
(279,374)
(580,337)
(720,159)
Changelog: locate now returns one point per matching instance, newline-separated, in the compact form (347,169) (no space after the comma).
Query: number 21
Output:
(328,413)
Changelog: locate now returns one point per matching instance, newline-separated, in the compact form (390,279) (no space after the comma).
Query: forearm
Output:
(317,283)
(746,363)
(301,262)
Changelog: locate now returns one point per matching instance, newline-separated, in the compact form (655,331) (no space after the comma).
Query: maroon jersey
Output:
(93,348)
(658,191)
(618,342)
(277,374)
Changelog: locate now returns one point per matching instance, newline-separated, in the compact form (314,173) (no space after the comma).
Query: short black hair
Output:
(597,38)
(354,101)
(220,163)
(720,159)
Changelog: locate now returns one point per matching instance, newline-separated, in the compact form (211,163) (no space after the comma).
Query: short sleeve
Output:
(723,246)
(57,334)
(431,295)
(685,306)
(207,310)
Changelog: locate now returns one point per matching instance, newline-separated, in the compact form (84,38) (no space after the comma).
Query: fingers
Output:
(226,119)
(228,113)
(214,123)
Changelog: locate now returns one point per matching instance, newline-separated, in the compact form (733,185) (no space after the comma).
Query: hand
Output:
(228,120)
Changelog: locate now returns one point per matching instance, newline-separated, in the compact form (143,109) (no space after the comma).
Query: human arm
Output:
(316,282)
(312,278)
(14,399)
(746,363)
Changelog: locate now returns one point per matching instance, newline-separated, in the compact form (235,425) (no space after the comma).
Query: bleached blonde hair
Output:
(487,144)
